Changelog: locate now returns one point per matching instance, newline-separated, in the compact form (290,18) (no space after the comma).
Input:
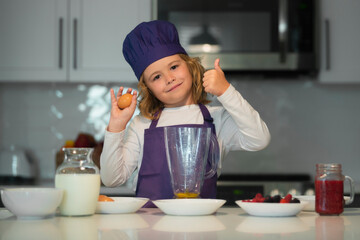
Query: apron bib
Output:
(154,181)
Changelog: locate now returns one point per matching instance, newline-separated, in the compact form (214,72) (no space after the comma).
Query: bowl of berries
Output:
(272,206)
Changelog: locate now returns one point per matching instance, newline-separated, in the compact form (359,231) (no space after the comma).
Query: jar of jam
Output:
(329,189)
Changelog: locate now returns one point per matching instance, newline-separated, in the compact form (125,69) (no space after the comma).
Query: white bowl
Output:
(262,209)
(310,206)
(310,199)
(189,207)
(121,205)
(29,203)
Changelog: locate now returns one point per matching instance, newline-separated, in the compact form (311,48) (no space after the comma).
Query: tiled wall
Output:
(309,122)
(39,118)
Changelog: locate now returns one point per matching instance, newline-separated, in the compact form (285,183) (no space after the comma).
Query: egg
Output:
(187,195)
(104,198)
(124,101)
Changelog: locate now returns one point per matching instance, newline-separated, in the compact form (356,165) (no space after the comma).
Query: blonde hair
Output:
(149,105)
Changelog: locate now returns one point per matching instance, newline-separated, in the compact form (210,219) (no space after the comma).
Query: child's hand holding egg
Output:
(123,106)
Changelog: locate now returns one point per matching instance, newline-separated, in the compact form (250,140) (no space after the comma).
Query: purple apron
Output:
(154,181)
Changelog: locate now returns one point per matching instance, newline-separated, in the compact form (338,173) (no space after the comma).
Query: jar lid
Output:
(329,166)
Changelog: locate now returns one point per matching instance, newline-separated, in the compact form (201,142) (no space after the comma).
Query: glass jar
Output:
(329,189)
(80,179)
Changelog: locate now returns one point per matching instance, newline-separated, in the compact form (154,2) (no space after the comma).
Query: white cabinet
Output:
(61,40)
(32,40)
(340,39)
(97,31)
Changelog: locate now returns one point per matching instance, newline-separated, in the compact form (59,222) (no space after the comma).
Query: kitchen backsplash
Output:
(309,122)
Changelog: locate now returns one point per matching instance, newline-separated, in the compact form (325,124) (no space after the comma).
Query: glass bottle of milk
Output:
(80,179)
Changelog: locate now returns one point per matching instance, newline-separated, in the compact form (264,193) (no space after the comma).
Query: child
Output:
(173,89)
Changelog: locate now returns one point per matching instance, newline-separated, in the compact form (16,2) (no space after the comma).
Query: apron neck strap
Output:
(206,114)
(155,121)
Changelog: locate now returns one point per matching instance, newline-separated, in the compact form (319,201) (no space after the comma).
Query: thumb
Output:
(217,65)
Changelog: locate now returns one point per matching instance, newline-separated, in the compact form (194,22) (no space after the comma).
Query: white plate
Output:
(121,205)
(271,209)
(189,207)
(310,206)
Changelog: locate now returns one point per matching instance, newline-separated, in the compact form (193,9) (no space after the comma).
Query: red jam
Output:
(329,198)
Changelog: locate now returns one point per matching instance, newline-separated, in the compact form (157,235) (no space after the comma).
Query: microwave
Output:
(247,35)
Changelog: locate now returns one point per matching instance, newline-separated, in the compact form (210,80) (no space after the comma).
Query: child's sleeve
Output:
(240,125)
(119,157)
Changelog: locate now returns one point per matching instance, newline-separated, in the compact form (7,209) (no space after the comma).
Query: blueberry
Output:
(276,198)
(295,200)
(268,199)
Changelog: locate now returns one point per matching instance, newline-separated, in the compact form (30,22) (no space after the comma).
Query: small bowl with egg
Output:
(32,203)
(108,205)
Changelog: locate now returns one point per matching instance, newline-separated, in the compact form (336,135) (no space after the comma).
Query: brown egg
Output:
(124,100)
(104,198)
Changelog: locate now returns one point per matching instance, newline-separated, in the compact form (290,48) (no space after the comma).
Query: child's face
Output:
(170,81)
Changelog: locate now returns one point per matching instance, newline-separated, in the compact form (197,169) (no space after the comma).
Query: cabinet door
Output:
(98,30)
(33,40)
(340,38)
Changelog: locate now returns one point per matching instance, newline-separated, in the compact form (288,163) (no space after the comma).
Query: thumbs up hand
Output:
(214,80)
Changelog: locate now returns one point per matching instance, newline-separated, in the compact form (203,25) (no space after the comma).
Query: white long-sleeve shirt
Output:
(238,127)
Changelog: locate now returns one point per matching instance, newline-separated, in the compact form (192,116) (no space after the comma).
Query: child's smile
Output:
(174,87)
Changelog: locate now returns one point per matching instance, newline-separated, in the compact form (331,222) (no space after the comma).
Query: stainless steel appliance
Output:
(247,35)
(15,167)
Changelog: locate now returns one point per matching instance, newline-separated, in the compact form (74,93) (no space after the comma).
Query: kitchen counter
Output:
(227,223)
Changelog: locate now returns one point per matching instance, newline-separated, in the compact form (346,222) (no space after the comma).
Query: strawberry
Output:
(288,198)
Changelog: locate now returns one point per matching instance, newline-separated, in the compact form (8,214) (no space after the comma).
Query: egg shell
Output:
(124,101)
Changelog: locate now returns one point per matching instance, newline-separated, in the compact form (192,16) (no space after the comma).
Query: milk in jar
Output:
(79,177)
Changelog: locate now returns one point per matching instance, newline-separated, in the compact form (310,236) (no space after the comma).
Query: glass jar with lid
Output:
(80,179)
(329,189)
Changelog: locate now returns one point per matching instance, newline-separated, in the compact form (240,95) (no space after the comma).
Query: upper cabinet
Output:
(33,42)
(61,40)
(340,38)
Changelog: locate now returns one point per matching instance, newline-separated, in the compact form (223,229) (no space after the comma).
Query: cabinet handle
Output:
(283,29)
(327,45)
(61,31)
(75,23)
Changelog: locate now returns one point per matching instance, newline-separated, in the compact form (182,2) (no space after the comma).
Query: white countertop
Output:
(227,223)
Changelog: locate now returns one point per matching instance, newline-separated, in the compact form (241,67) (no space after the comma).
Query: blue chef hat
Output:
(149,42)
